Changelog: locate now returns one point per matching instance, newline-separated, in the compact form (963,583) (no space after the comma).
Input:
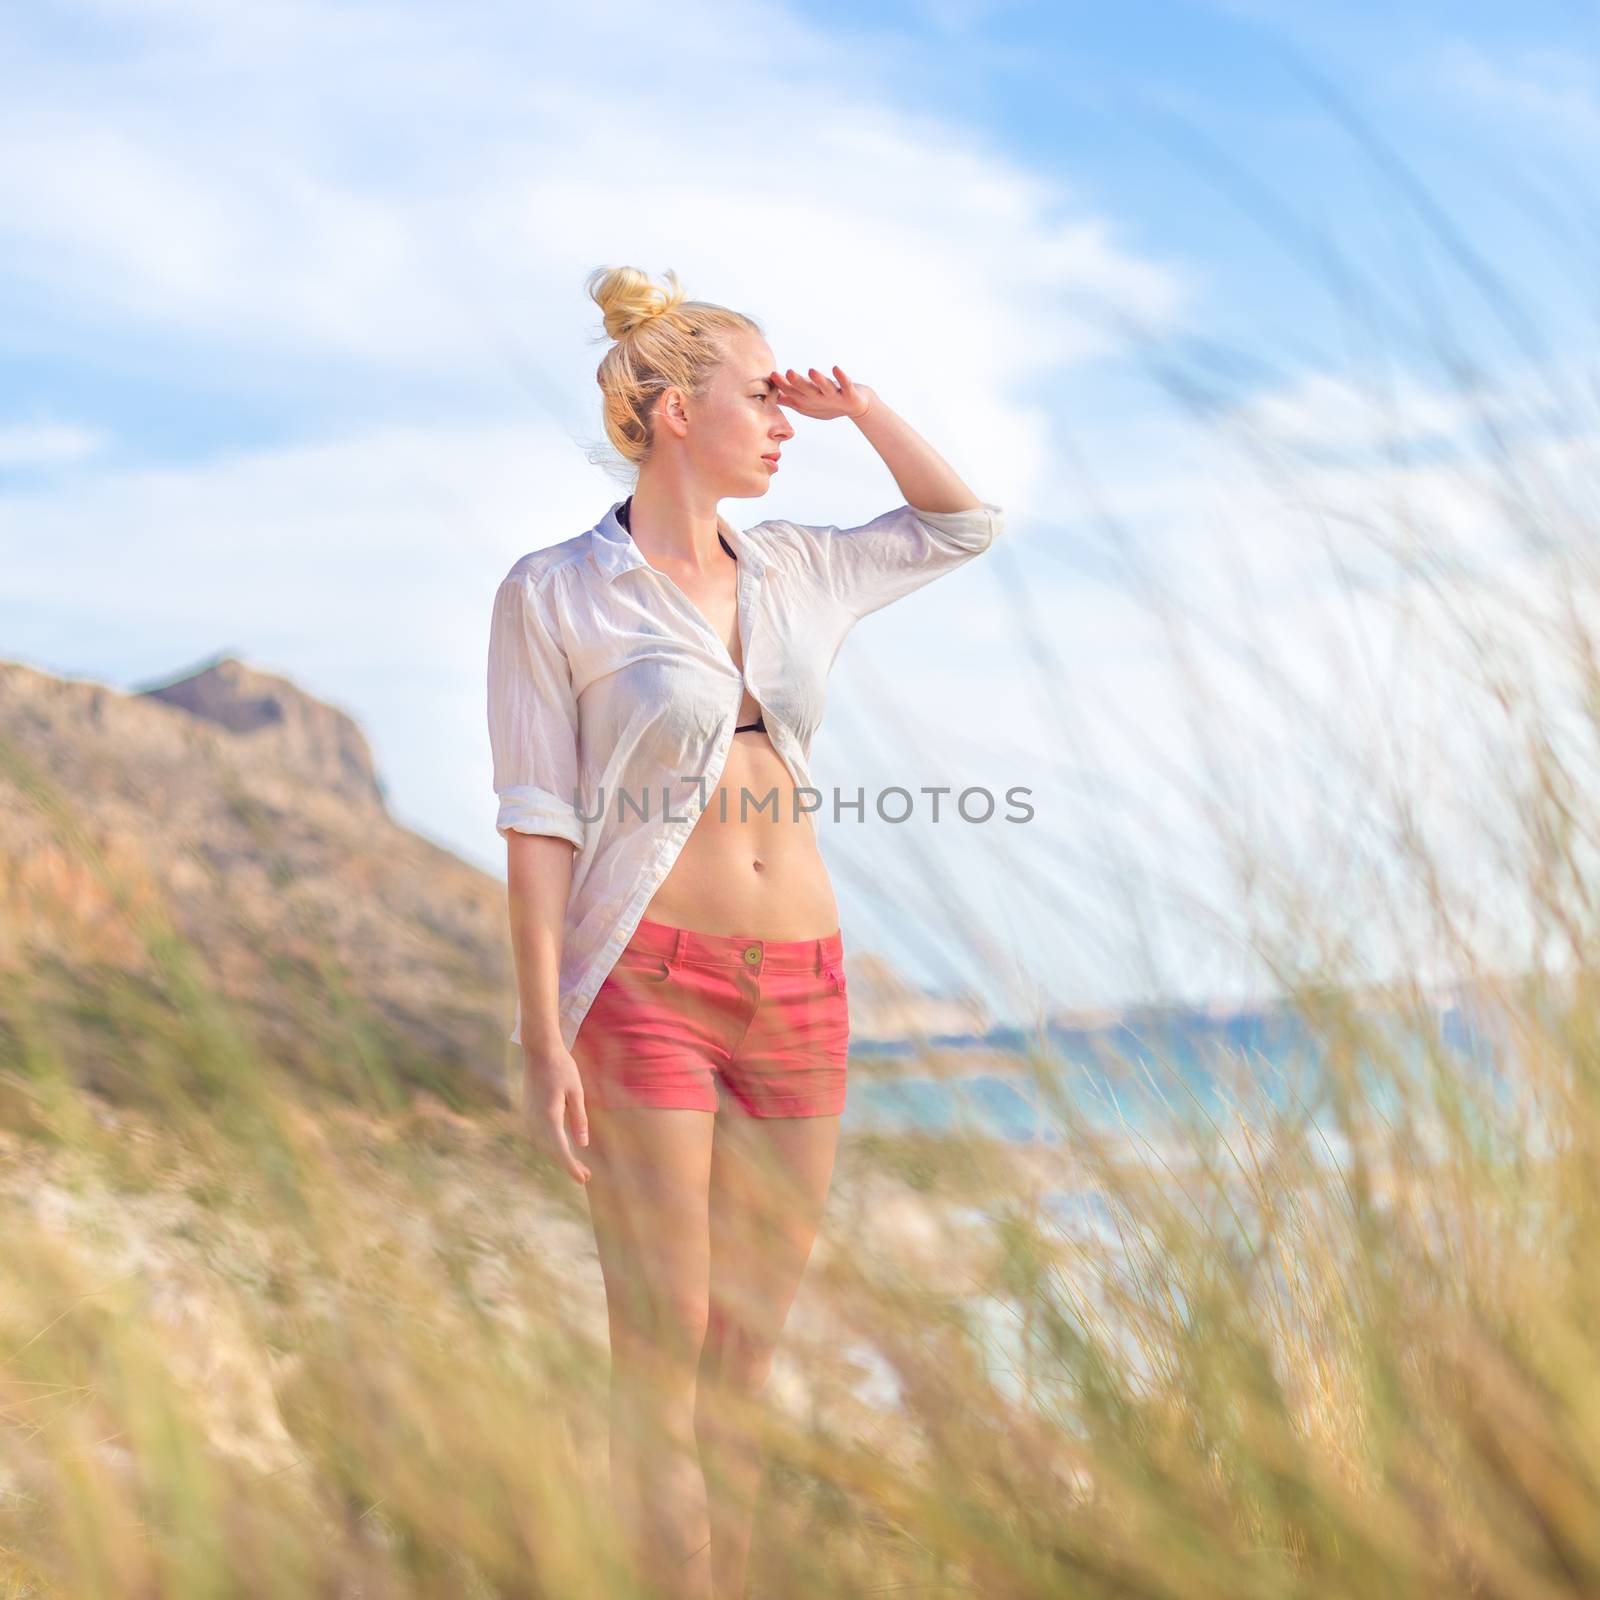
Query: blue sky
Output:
(297,361)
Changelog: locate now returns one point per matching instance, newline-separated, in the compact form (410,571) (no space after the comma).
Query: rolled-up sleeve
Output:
(867,567)
(533,719)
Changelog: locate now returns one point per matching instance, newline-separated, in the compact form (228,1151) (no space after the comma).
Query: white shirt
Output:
(610,694)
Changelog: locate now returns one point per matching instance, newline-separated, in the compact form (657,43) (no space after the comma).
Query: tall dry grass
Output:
(1329,1332)
(262,1339)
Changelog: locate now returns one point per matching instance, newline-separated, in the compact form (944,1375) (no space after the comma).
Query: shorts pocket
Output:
(836,977)
(638,966)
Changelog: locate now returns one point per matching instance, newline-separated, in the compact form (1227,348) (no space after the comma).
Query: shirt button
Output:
(753,954)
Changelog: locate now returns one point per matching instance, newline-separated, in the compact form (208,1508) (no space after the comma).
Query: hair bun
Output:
(629,298)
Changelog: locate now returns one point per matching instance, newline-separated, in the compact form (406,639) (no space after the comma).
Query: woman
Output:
(654,684)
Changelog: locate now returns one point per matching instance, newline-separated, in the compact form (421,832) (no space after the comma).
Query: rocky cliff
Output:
(280,724)
(246,816)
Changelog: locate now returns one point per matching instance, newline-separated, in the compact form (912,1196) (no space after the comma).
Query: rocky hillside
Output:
(283,725)
(249,816)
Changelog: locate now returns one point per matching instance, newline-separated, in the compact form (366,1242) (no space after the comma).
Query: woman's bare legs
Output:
(769,1182)
(703,1223)
(648,1199)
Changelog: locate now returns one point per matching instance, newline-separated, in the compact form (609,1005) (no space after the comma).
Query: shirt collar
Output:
(614,551)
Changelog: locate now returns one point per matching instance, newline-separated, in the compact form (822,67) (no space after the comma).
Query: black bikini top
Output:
(758,726)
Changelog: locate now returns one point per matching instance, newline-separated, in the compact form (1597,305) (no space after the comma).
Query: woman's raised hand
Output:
(818,395)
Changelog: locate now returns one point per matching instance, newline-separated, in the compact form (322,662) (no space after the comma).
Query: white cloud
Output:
(47,444)
(1322,409)
(413,187)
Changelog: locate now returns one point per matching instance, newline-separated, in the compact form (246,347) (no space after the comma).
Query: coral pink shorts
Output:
(680,1010)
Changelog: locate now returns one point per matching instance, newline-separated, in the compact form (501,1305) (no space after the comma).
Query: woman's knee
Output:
(736,1354)
(661,1331)
(745,1371)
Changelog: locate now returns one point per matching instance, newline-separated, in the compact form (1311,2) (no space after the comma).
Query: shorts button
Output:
(753,954)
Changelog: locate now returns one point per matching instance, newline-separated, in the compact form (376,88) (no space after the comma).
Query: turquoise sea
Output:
(1153,1063)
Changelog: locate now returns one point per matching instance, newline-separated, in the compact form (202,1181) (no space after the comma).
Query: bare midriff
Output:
(758,873)
(750,866)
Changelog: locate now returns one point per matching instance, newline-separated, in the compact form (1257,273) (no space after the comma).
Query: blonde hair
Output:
(661,341)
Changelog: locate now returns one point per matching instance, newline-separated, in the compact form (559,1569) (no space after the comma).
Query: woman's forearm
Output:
(538,881)
(926,480)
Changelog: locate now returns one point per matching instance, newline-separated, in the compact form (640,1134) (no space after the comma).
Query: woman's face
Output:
(736,420)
